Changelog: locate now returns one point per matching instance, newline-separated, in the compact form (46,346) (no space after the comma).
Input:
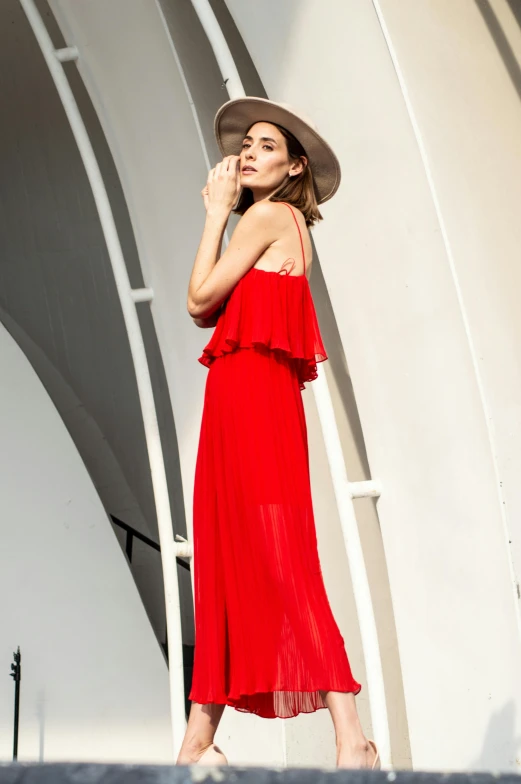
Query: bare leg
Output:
(198,745)
(352,747)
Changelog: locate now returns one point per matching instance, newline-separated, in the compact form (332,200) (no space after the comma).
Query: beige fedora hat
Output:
(235,117)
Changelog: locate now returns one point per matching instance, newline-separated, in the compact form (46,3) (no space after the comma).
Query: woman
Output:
(266,639)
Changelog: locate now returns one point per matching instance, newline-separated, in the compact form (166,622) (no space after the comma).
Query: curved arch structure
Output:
(94,679)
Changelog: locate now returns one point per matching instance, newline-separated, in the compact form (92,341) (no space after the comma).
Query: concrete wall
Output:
(419,258)
(94,679)
(58,295)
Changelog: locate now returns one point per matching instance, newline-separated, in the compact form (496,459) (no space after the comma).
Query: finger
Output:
(225,163)
(230,162)
(233,165)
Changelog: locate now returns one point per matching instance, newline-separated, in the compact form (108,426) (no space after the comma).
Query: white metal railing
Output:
(129,298)
(220,48)
(345,491)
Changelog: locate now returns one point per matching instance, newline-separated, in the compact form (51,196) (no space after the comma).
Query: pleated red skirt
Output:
(266,640)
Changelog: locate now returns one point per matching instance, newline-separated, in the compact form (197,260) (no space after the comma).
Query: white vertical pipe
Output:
(343,494)
(169,550)
(220,48)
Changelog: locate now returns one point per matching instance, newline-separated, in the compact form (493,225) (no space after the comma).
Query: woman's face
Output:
(264,162)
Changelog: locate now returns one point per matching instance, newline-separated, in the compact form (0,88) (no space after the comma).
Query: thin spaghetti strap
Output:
(299,233)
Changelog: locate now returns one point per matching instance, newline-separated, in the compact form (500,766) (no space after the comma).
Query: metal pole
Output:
(220,48)
(128,545)
(345,492)
(16,674)
(128,298)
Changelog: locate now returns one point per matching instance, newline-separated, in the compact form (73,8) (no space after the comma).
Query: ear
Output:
(298,166)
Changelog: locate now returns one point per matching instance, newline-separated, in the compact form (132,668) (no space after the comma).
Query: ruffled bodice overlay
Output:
(272,310)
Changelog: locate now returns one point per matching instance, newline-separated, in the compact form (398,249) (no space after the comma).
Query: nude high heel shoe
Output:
(376,762)
(212,756)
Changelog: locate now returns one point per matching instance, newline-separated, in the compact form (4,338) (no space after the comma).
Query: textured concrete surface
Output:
(163,774)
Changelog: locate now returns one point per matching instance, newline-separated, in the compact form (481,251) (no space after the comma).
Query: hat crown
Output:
(299,114)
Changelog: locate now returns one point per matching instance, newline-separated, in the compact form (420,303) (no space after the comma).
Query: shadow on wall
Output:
(498,742)
(337,362)
(500,39)
(55,277)
(114,492)
(57,288)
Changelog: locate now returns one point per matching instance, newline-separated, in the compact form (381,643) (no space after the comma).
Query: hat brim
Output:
(235,117)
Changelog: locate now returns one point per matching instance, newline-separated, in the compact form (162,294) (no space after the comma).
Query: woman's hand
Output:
(223,185)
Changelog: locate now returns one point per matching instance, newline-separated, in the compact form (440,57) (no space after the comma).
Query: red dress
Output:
(266,639)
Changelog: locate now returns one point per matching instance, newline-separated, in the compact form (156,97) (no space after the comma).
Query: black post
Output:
(129,542)
(16,674)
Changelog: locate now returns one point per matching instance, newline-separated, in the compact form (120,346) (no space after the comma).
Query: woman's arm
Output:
(214,278)
(207,255)
(207,323)
(219,195)
(211,282)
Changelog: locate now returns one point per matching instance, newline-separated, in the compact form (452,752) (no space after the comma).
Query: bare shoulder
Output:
(274,224)
(279,215)
(263,210)
(289,216)
(265,218)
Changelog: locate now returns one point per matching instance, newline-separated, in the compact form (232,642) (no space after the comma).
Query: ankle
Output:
(192,752)
(353,742)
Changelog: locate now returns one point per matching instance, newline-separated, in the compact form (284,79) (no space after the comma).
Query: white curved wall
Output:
(439,451)
(94,679)
(59,300)
(469,126)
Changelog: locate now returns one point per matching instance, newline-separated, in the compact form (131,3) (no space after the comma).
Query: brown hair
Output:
(298,190)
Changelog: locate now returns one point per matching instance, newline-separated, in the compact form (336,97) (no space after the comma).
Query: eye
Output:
(268,146)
